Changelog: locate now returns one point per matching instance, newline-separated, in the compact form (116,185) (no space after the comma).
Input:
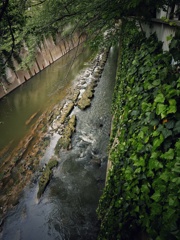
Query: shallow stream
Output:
(67,209)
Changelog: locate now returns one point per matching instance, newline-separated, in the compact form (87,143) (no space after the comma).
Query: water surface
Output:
(67,209)
(35,96)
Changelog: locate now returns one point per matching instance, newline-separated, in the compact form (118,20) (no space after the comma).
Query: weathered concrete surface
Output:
(46,54)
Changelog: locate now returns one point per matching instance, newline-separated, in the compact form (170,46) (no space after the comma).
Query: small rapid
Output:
(67,209)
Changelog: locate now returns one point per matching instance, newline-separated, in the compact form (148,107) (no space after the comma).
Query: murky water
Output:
(44,89)
(67,209)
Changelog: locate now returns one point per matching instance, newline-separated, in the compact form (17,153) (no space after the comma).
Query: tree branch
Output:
(12,38)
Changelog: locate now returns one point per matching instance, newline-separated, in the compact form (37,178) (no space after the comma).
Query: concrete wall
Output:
(46,54)
(162,30)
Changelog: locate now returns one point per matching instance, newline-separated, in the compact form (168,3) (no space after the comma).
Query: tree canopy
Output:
(31,20)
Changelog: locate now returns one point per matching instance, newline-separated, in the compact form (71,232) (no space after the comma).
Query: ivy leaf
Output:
(135,113)
(168,215)
(169,124)
(136,209)
(141,135)
(166,132)
(165,176)
(171,93)
(156,209)
(178,144)
(157,142)
(154,122)
(145,189)
(161,110)
(171,201)
(155,164)
(172,109)
(140,162)
(155,155)
(177,127)
(176,180)
(146,106)
(169,155)
(159,98)
(156,196)
(156,83)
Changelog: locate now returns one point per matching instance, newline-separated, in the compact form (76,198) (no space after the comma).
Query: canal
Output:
(35,96)
(67,209)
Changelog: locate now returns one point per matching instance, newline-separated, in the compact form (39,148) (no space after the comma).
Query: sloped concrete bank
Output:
(47,53)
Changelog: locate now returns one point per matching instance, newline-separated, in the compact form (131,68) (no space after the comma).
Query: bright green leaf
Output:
(159,98)
(161,109)
(171,109)
(157,142)
(169,155)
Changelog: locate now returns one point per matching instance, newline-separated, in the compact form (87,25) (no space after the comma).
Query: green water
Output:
(38,94)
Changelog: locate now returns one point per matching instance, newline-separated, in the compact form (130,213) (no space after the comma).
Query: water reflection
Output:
(43,90)
(67,209)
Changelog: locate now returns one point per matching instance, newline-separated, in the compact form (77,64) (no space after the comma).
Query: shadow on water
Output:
(67,209)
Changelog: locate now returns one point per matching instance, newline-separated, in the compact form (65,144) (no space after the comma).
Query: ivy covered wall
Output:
(142,194)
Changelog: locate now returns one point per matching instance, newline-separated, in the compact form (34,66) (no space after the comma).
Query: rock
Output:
(84,103)
(52,163)
(81,155)
(83,82)
(46,176)
(66,111)
(65,141)
(85,100)
(44,180)
(75,95)
(96,74)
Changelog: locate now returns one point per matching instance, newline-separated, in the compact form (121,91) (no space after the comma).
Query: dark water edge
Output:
(67,210)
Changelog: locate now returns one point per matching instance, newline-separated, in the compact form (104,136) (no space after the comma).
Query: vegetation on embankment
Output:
(143,188)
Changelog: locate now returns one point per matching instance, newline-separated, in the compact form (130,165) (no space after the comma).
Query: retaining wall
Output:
(162,29)
(47,53)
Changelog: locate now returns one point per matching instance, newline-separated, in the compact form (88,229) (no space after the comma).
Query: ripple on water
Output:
(67,210)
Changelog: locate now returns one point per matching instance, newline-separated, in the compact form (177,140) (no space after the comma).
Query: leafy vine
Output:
(143,189)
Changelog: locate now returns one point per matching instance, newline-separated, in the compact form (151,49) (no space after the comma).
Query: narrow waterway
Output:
(43,90)
(67,209)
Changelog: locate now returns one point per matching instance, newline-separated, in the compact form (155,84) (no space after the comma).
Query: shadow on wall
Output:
(47,53)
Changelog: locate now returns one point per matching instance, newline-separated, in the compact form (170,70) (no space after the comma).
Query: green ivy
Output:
(142,193)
